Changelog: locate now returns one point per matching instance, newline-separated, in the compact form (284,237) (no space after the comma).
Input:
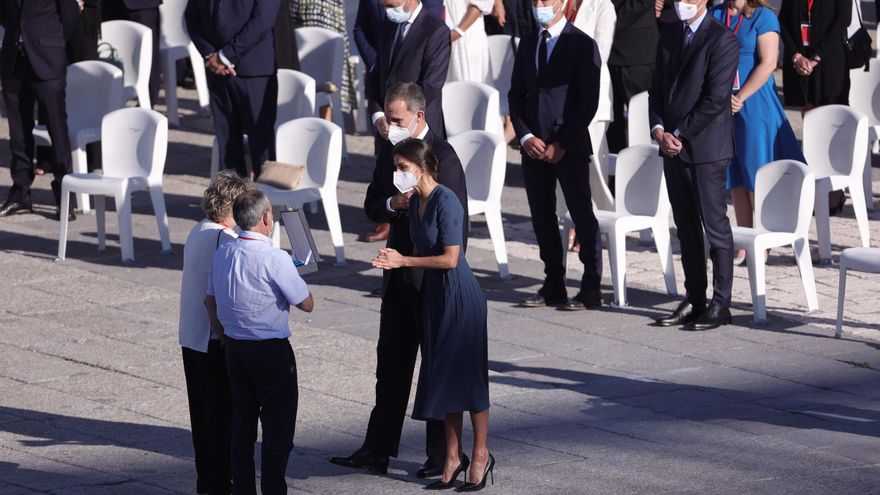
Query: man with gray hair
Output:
(251,286)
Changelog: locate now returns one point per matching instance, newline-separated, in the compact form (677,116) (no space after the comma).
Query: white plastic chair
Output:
(502,55)
(864,94)
(835,140)
(175,44)
(316,144)
(638,121)
(784,192)
(471,106)
(94,89)
(641,203)
(134,45)
(484,158)
(296,100)
(134,146)
(857,259)
(321,53)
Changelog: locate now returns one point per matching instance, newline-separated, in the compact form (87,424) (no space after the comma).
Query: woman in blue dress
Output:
(762,131)
(454,374)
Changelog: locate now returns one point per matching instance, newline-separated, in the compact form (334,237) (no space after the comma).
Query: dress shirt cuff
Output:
(658,126)
(522,142)
(677,133)
(389,208)
(377,116)
(225,60)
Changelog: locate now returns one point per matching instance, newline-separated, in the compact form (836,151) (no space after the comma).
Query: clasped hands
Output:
(669,144)
(216,66)
(388,259)
(537,149)
(803,65)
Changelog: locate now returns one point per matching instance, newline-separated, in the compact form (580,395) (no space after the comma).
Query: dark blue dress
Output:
(454,375)
(761,129)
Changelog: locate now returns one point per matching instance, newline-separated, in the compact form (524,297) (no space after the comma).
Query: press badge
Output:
(806,33)
(736,81)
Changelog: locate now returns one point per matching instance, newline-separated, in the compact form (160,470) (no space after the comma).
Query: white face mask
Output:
(397,134)
(396,14)
(686,11)
(405,181)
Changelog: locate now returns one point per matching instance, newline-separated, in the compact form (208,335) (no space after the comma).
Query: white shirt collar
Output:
(556,29)
(247,235)
(423,133)
(694,26)
(415,14)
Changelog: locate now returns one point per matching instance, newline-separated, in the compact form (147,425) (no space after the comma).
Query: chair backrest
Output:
(134,45)
(835,141)
(296,96)
(320,53)
(784,192)
(484,158)
(315,143)
(469,106)
(94,89)
(173,28)
(637,121)
(864,92)
(501,58)
(639,182)
(134,143)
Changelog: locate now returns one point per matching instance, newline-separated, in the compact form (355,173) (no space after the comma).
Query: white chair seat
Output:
(744,237)
(864,259)
(609,220)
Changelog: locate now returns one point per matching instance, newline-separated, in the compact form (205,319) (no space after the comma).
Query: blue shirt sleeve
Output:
(287,279)
(450,215)
(765,21)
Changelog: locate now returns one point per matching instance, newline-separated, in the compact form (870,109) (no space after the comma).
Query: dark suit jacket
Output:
(635,33)
(243,29)
(367,26)
(382,187)
(140,4)
(423,59)
(44,26)
(691,90)
(560,106)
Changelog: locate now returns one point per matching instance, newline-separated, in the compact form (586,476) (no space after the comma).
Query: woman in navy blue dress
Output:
(761,129)
(454,375)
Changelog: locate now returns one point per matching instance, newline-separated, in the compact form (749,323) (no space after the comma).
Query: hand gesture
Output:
(382,127)
(736,103)
(216,66)
(535,148)
(400,201)
(388,259)
(499,13)
(669,144)
(658,7)
(454,36)
(553,153)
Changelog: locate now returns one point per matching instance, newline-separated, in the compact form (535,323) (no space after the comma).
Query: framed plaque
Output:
(303,252)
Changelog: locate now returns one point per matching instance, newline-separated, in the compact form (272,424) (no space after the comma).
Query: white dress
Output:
(469,59)
(597,18)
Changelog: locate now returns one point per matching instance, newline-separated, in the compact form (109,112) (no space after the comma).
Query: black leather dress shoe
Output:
(71,216)
(11,207)
(429,471)
(539,301)
(714,317)
(363,459)
(683,314)
(584,300)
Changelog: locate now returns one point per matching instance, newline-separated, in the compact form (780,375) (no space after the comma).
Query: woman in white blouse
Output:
(469,59)
(204,365)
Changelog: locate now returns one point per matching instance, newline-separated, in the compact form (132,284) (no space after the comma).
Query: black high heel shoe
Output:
(475,487)
(463,465)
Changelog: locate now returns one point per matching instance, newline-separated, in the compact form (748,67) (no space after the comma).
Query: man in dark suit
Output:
(368,26)
(400,323)
(236,38)
(691,120)
(33,68)
(145,12)
(554,93)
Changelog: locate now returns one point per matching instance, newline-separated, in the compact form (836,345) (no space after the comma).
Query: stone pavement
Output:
(92,397)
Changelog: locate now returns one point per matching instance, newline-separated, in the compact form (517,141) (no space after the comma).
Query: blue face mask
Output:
(544,15)
(396,14)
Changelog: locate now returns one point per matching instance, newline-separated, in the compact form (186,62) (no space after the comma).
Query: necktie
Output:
(398,40)
(688,36)
(542,53)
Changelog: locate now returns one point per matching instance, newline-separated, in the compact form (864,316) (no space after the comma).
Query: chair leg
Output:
(215,157)
(664,250)
(100,220)
(123,214)
(276,234)
(62,233)
(756,281)
(169,66)
(805,267)
(157,195)
(339,120)
(496,233)
(823,229)
(200,77)
(841,297)
(79,165)
(866,179)
(617,258)
(334,223)
(857,194)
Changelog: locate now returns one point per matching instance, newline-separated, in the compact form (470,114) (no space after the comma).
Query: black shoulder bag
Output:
(858,46)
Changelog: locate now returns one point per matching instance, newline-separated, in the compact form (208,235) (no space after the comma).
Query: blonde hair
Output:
(753,5)
(219,196)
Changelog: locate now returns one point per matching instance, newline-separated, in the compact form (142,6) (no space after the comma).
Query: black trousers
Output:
(626,82)
(244,105)
(400,332)
(210,414)
(21,91)
(115,10)
(699,204)
(573,176)
(262,375)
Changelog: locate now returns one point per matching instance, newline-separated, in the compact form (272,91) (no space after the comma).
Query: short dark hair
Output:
(419,152)
(410,93)
(249,207)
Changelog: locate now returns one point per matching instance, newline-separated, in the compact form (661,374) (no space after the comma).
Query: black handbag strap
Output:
(858,12)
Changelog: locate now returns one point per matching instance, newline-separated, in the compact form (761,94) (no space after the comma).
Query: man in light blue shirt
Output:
(251,286)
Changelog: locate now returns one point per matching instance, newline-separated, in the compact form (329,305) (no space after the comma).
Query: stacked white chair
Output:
(471,106)
(862,259)
(296,100)
(864,94)
(321,52)
(175,44)
(133,43)
(641,203)
(502,55)
(484,158)
(94,89)
(835,140)
(316,144)
(784,192)
(134,146)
